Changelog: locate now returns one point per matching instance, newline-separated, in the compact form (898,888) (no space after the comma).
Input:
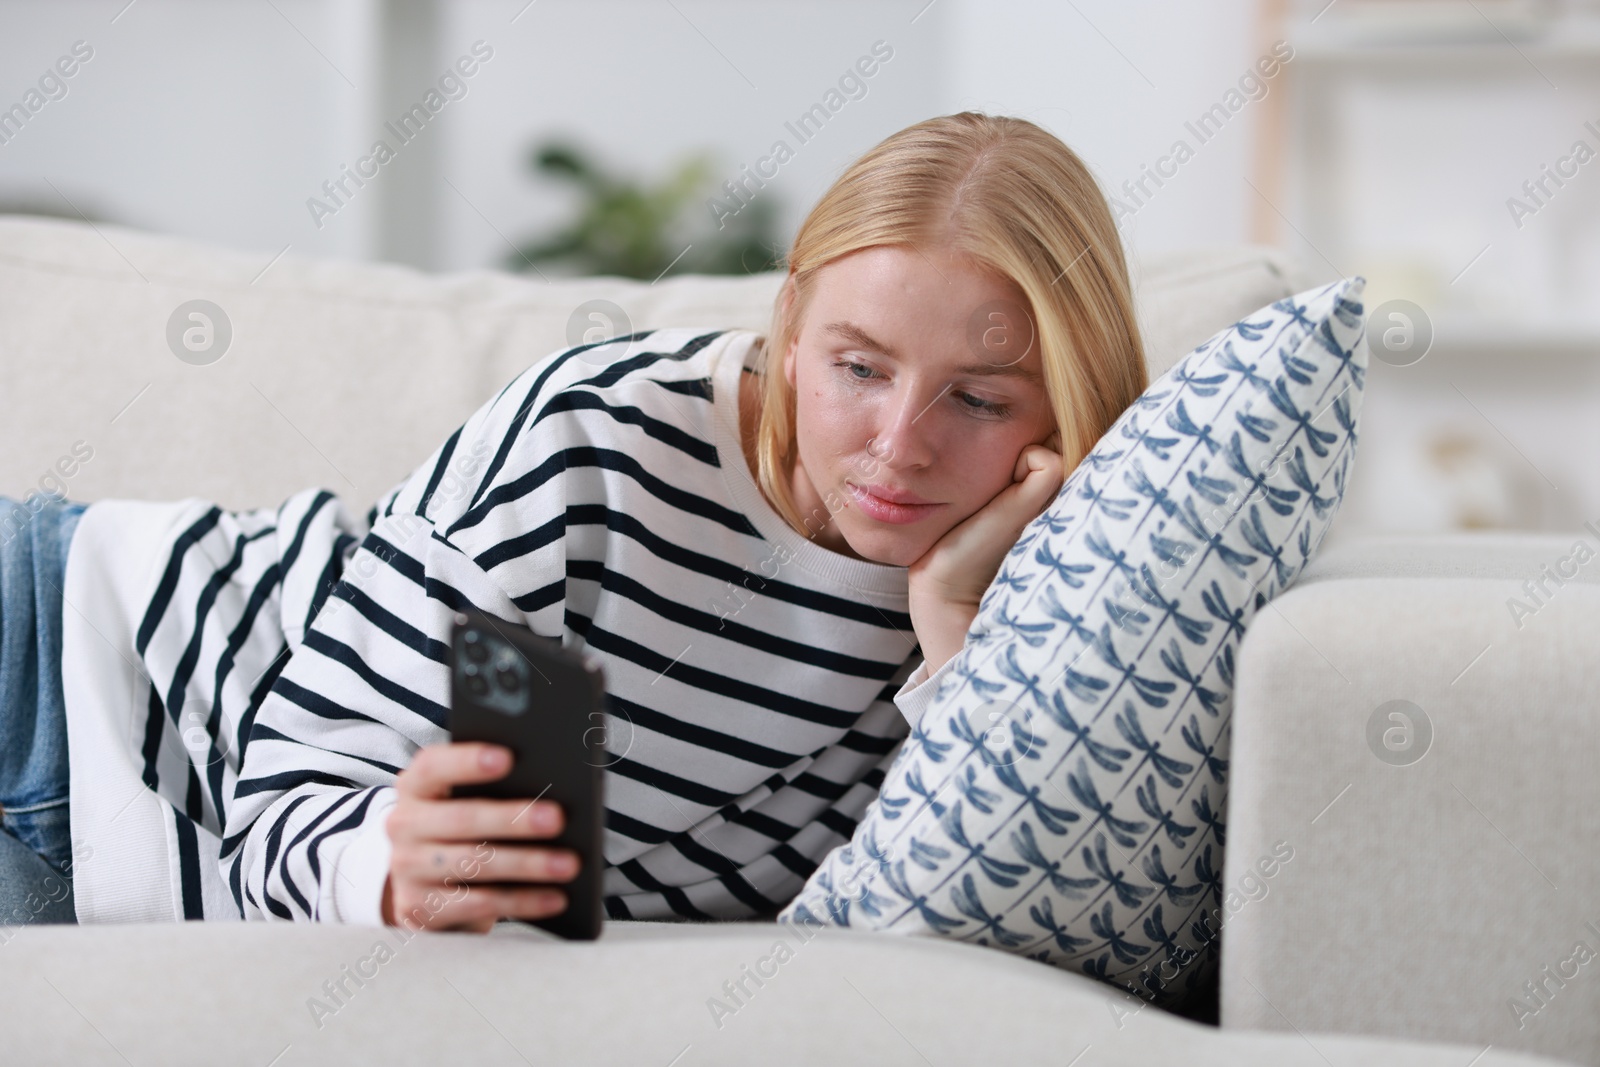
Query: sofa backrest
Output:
(346,375)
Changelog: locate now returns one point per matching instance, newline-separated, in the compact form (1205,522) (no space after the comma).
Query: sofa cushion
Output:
(1062,795)
(689,995)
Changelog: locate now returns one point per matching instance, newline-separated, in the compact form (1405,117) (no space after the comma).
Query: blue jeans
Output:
(36,847)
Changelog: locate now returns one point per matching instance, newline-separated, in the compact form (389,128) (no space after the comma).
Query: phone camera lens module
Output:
(476,651)
(477,685)
(508,679)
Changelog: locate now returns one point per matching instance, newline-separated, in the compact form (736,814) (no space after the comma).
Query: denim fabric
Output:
(35,881)
(31,890)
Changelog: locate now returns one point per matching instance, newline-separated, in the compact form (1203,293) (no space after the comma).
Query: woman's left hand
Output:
(949,580)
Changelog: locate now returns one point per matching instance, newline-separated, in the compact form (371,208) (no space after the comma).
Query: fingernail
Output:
(491,759)
(544,816)
(563,866)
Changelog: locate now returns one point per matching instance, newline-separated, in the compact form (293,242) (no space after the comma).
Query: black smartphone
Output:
(512,687)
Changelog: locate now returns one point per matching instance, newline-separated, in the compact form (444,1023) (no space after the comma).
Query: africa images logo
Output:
(452,85)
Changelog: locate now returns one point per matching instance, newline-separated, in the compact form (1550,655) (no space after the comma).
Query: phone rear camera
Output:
(492,672)
(507,677)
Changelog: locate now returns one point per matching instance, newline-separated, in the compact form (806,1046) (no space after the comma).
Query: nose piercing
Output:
(870,452)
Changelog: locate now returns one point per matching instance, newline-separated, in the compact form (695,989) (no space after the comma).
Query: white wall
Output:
(1117,82)
(209,120)
(218,119)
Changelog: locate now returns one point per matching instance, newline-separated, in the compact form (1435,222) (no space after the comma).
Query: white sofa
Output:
(1417,902)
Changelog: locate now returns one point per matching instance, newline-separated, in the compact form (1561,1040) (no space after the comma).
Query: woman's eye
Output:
(982,406)
(854,369)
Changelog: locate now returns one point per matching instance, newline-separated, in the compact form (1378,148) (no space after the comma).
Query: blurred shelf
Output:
(1475,337)
(1574,41)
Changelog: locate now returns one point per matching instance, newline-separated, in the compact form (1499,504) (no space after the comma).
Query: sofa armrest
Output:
(1443,887)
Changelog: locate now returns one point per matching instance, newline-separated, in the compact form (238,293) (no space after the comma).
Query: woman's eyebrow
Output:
(1005,370)
(1009,370)
(856,335)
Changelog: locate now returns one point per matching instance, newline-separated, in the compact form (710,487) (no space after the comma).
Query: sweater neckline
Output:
(881,579)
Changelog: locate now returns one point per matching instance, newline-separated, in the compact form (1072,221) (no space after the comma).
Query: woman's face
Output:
(918,382)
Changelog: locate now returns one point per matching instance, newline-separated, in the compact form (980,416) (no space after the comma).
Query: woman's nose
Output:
(905,439)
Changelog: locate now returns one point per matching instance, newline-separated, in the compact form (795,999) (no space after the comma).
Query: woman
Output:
(773,545)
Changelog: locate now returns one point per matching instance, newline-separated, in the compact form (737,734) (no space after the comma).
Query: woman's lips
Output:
(908,508)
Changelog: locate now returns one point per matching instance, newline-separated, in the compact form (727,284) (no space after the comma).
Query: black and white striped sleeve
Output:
(305,837)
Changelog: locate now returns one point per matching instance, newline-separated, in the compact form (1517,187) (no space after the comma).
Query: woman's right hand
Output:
(446,849)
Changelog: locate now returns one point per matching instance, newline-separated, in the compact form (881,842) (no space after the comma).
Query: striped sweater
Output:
(243,686)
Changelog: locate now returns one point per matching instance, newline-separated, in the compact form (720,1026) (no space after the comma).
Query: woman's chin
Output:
(880,546)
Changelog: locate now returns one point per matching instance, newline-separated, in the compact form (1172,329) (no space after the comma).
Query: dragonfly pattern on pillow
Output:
(1062,798)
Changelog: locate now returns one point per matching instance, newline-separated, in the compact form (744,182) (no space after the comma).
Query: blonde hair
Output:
(1015,199)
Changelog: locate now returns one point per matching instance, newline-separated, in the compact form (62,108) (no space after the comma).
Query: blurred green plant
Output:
(628,229)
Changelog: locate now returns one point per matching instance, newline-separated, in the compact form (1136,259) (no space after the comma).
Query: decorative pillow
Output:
(1062,796)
